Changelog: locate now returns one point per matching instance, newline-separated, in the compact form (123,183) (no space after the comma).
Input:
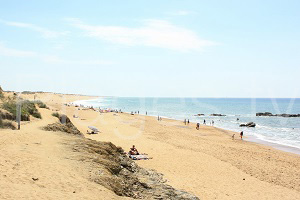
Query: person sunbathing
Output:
(133,151)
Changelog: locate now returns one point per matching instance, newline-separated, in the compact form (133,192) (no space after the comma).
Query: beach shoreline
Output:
(211,145)
(249,138)
(205,162)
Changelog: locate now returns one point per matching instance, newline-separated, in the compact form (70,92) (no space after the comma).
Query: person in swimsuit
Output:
(241,134)
(133,151)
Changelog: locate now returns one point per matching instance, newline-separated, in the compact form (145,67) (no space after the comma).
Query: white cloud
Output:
(153,33)
(46,33)
(4,51)
(10,52)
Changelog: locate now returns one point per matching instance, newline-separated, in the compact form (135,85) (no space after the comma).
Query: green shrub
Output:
(37,115)
(28,108)
(56,114)
(41,104)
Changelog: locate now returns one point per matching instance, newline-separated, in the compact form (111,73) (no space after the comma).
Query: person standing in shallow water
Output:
(204,122)
(241,134)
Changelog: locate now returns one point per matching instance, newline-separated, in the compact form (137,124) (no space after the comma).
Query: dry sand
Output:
(207,163)
(31,153)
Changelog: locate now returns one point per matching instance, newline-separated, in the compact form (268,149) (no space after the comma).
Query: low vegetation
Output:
(7,124)
(28,108)
(8,110)
(64,125)
(56,114)
(40,104)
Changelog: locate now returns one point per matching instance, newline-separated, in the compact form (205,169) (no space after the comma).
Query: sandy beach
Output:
(205,162)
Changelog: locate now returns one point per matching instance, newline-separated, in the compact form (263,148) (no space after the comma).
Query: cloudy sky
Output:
(173,48)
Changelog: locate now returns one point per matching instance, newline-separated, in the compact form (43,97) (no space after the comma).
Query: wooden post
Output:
(18,114)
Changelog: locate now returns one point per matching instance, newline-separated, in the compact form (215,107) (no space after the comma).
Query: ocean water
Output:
(276,130)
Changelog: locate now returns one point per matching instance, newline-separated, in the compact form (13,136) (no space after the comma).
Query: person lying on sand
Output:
(133,151)
(87,132)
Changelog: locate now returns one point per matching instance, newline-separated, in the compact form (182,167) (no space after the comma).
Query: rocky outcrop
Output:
(250,124)
(123,176)
(217,115)
(268,114)
(199,114)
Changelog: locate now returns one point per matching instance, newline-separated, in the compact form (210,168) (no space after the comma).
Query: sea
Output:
(280,132)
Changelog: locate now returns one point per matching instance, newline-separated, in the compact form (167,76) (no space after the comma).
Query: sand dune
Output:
(36,164)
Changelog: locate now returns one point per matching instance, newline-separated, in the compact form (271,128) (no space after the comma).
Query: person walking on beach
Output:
(204,122)
(158,118)
(184,121)
(241,134)
(146,112)
(212,122)
(198,126)
(188,121)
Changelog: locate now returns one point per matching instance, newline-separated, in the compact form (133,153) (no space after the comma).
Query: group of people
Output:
(241,135)
(186,121)
(204,122)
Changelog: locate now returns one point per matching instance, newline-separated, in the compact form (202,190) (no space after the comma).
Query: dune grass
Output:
(28,108)
(40,104)
(7,124)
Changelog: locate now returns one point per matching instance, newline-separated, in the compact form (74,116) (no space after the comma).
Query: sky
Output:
(157,48)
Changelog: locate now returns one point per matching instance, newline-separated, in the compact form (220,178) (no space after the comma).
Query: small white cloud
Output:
(153,33)
(46,33)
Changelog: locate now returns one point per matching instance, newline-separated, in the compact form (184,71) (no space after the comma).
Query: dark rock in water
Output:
(250,124)
(268,114)
(264,114)
(199,115)
(217,115)
(288,115)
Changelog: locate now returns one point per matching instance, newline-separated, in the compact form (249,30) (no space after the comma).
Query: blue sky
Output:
(152,48)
